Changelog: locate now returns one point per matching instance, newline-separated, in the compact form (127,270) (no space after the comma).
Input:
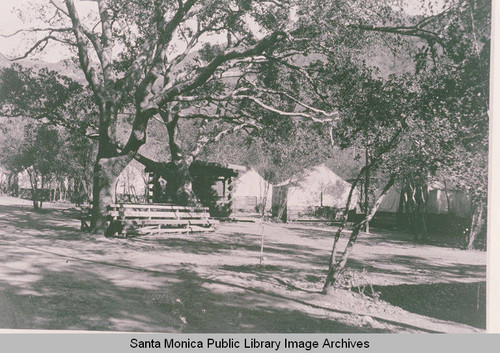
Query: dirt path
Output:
(53,276)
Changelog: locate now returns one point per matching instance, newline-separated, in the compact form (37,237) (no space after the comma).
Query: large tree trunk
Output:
(13,184)
(40,198)
(102,193)
(420,224)
(106,172)
(415,199)
(109,164)
(111,161)
(263,200)
(180,182)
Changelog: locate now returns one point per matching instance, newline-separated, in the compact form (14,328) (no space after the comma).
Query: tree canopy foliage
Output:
(289,76)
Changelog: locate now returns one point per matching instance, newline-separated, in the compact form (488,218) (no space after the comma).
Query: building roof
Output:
(199,167)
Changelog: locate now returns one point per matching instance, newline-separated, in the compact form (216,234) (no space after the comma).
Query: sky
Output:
(10,22)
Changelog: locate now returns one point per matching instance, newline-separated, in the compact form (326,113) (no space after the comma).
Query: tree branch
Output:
(59,6)
(205,140)
(40,44)
(206,72)
(47,29)
(83,53)
(295,100)
(106,44)
(291,114)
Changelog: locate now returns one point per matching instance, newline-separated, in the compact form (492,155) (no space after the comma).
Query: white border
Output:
(493,270)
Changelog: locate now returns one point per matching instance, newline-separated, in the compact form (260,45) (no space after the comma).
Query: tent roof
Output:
(319,186)
(199,167)
(251,183)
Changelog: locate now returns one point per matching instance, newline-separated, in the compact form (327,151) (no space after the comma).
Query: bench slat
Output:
(167,222)
(146,214)
(171,230)
(159,207)
(154,218)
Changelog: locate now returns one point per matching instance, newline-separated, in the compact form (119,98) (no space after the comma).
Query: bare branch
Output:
(47,29)
(295,100)
(89,34)
(106,47)
(59,6)
(153,53)
(83,53)
(40,44)
(205,140)
(64,41)
(190,45)
(291,114)
(428,19)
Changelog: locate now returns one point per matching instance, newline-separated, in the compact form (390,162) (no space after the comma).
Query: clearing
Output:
(52,276)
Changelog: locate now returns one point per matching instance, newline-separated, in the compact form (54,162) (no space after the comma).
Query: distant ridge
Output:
(64,67)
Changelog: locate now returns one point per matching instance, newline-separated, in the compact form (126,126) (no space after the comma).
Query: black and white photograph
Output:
(244,167)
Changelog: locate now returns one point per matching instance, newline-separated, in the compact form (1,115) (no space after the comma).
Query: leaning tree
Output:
(445,128)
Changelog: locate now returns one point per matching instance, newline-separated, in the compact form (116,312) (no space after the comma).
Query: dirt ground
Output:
(52,276)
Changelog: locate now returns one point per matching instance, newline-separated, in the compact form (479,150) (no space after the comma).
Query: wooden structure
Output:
(139,219)
(212,184)
(136,219)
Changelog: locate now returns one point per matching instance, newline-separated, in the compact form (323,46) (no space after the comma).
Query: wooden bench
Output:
(154,218)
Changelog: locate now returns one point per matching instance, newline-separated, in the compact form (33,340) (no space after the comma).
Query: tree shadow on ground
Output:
(458,302)
(380,235)
(217,306)
(277,304)
(402,236)
(78,281)
(70,300)
(25,218)
(223,244)
(419,266)
(80,299)
(453,301)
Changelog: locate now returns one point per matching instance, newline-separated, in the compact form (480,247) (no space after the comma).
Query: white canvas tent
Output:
(316,187)
(249,190)
(131,184)
(439,201)
(390,203)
